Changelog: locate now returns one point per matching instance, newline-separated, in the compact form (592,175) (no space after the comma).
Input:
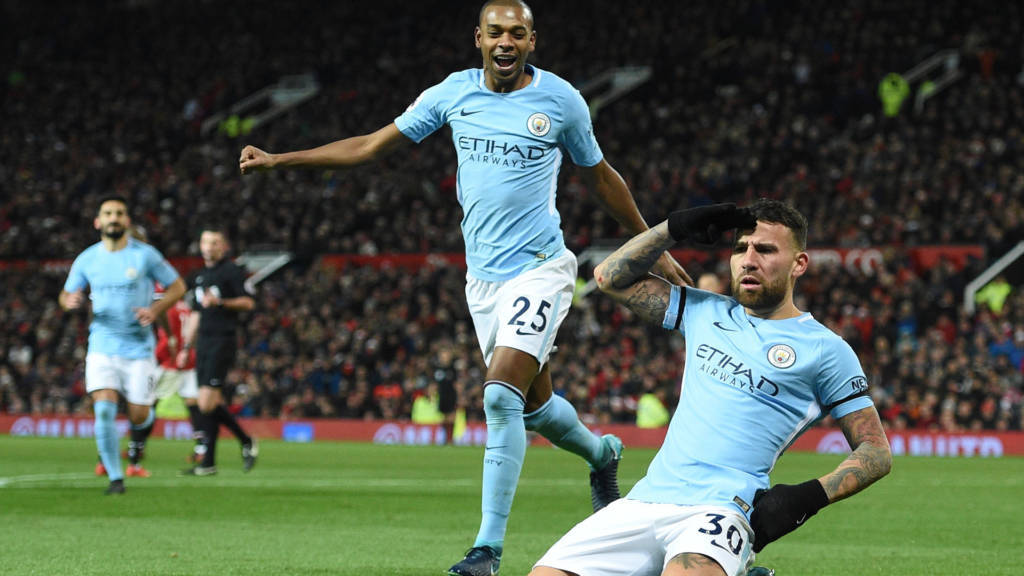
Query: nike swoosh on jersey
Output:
(714,543)
(720,327)
(468,113)
(520,332)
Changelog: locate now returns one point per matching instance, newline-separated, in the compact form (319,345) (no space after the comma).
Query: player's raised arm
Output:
(625,274)
(344,153)
(615,197)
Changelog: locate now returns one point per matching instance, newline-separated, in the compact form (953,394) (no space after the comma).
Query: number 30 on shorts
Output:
(733,536)
(540,320)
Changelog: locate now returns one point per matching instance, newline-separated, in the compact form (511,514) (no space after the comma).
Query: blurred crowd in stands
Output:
(748,98)
(364,342)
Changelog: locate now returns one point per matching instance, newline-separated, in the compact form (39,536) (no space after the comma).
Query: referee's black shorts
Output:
(214,358)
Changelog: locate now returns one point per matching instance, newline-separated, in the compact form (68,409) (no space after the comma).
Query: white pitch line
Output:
(86,480)
(30,478)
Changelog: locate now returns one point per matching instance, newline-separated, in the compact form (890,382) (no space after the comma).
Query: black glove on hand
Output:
(705,224)
(784,508)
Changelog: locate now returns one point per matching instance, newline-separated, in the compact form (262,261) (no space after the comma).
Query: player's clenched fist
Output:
(253,159)
(74,300)
(705,224)
(784,508)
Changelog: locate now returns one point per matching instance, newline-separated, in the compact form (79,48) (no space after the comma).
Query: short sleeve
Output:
(842,386)
(160,269)
(577,135)
(76,278)
(424,116)
(674,313)
(238,285)
(698,306)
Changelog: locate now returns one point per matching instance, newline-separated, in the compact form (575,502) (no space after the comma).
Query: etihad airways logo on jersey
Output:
(725,368)
(499,153)
(119,289)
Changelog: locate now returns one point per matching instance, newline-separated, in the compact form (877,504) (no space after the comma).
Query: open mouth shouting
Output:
(505,63)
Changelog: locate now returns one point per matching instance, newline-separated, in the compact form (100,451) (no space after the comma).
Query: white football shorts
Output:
(523,312)
(133,378)
(182,382)
(633,538)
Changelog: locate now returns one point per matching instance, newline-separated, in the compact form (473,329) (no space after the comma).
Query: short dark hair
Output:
(111,198)
(216,227)
(777,212)
(519,3)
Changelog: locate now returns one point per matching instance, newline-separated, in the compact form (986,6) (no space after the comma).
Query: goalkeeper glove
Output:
(784,508)
(705,224)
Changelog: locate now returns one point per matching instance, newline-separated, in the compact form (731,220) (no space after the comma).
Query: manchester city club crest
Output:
(539,124)
(781,356)
(131,273)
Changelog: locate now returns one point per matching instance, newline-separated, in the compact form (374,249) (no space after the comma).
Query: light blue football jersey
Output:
(510,149)
(750,387)
(119,282)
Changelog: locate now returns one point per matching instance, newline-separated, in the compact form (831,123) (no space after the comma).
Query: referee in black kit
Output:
(218,296)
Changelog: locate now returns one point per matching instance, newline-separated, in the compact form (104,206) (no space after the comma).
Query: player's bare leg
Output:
(509,376)
(549,571)
(515,380)
(142,418)
(692,564)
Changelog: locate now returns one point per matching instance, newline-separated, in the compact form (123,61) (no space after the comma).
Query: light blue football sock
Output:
(105,431)
(557,421)
(503,460)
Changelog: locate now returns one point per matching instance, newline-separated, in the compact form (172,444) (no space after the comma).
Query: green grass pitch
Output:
(360,509)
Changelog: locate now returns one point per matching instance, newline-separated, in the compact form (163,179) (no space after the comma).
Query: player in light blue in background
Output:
(120,273)
(511,124)
(758,372)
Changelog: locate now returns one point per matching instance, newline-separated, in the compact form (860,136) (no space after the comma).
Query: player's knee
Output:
(105,409)
(501,399)
(692,564)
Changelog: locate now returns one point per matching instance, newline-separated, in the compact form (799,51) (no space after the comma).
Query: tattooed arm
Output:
(784,508)
(625,275)
(869,461)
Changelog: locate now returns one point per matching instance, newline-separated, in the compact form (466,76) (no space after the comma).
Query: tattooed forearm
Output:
(634,259)
(621,273)
(870,460)
(649,300)
(625,275)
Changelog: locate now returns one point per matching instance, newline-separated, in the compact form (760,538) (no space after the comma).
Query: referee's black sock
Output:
(211,429)
(226,418)
(198,433)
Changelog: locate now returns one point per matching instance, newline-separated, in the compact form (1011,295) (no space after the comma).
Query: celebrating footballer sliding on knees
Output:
(759,371)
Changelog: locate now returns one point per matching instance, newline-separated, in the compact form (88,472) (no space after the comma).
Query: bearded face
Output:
(765,264)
